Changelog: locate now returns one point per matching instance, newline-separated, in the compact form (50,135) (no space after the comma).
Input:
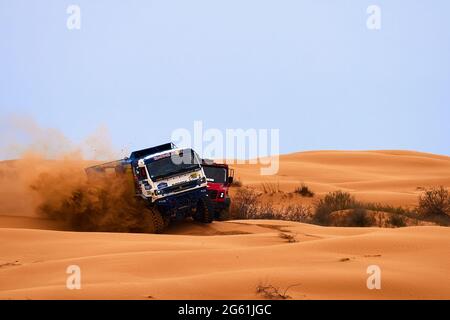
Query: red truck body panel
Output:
(218,184)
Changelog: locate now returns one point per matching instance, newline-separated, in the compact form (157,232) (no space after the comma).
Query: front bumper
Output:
(180,202)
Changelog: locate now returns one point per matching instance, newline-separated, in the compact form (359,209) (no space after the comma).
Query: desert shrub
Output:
(304,191)
(333,201)
(339,200)
(298,213)
(359,218)
(245,204)
(265,211)
(269,291)
(386,208)
(434,202)
(397,221)
(290,238)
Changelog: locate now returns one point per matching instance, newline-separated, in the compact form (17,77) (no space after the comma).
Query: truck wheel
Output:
(204,212)
(157,220)
(166,221)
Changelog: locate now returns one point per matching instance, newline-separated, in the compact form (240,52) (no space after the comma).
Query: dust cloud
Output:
(47,179)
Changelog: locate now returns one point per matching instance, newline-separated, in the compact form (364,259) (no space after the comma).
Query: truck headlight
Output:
(221,195)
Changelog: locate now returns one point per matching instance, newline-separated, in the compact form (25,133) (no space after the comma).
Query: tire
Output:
(166,221)
(156,220)
(204,212)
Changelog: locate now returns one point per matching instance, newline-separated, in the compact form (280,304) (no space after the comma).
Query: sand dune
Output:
(392,177)
(324,262)
(227,260)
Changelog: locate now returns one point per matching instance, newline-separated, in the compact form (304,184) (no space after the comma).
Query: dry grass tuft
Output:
(288,237)
(271,292)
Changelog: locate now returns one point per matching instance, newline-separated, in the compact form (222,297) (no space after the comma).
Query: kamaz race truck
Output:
(170,180)
(219,177)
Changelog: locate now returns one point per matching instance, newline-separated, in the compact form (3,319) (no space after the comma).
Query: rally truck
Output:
(219,177)
(170,181)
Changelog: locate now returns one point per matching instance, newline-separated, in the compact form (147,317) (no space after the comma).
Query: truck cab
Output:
(219,178)
(172,179)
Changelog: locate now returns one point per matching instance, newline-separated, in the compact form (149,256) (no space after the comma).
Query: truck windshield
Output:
(169,165)
(215,174)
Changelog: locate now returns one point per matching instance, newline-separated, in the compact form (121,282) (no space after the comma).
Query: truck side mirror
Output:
(230,180)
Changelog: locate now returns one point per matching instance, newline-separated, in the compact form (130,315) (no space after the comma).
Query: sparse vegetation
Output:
(288,237)
(271,292)
(333,201)
(397,221)
(359,218)
(433,208)
(297,212)
(435,202)
(304,191)
(386,208)
(246,204)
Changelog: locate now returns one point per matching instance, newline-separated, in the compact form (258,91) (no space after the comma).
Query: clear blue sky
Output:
(310,68)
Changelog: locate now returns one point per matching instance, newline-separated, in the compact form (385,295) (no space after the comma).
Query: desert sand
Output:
(228,260)
(227,263)
(392,177)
